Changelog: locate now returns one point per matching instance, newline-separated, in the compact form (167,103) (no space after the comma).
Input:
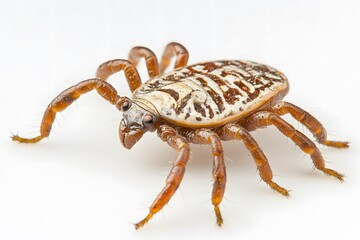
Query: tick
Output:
(204,103)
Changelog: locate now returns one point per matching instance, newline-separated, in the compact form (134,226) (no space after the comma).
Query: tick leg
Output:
(205,136)
(310,122)
(113,66)
(236,132)
(150,59)
(179,144)
(66,98)
(263,119)
(172,49)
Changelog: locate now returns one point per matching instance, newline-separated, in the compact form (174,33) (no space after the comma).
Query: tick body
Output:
(213,93)
(204,103)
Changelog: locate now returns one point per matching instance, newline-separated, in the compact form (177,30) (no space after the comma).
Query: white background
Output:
(82,184)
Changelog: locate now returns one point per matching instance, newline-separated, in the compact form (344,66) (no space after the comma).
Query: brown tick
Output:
(204,103)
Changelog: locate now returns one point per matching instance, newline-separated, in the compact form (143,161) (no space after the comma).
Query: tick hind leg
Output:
(65,99)
(236,132)
(263,119)
(310,122)
(204,136)
(150,59)
(179,144)
(173,48)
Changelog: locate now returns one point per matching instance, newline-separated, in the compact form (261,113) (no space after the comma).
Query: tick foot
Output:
(16,138)
(334,173)
(219,219)
(142,222)
(279,189)
(337,144)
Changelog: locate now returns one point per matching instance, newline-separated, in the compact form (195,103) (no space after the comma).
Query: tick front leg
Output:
(310,122)
(173,48)
(113,66)
(263,119)
(236,132)
(205,136)
(179,144)
(150,59)
(65,99)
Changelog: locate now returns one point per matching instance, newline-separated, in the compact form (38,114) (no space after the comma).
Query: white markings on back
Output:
(208,93)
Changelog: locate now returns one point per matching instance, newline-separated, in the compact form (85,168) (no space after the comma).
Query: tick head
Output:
(136,121)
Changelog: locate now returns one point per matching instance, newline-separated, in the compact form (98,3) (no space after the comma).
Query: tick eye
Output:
(148,120)
(125,105)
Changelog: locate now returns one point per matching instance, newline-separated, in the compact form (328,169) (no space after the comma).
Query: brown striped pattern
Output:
(209,92)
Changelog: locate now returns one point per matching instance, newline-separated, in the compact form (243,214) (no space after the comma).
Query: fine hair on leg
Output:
(309,121)
(265,118)
(236,132)
(180,145)
(65,99)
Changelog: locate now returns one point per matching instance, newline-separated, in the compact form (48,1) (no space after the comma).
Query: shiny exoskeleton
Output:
(204,103)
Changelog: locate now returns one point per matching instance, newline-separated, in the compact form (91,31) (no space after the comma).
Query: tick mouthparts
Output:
(129,139)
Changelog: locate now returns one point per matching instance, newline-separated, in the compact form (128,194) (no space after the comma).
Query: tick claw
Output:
(139,224)
(16,138)
(142,222)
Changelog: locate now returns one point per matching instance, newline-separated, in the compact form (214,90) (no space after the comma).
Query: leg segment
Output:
(311,123)
(236,132)
(263,119)
(151,61)
(113,66)
(172,49)
(204,136)
(179,144)
(66,98)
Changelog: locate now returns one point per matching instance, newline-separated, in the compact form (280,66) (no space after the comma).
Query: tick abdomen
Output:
(213,93)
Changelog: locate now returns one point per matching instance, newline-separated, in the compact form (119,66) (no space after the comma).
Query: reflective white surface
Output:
(82,184)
